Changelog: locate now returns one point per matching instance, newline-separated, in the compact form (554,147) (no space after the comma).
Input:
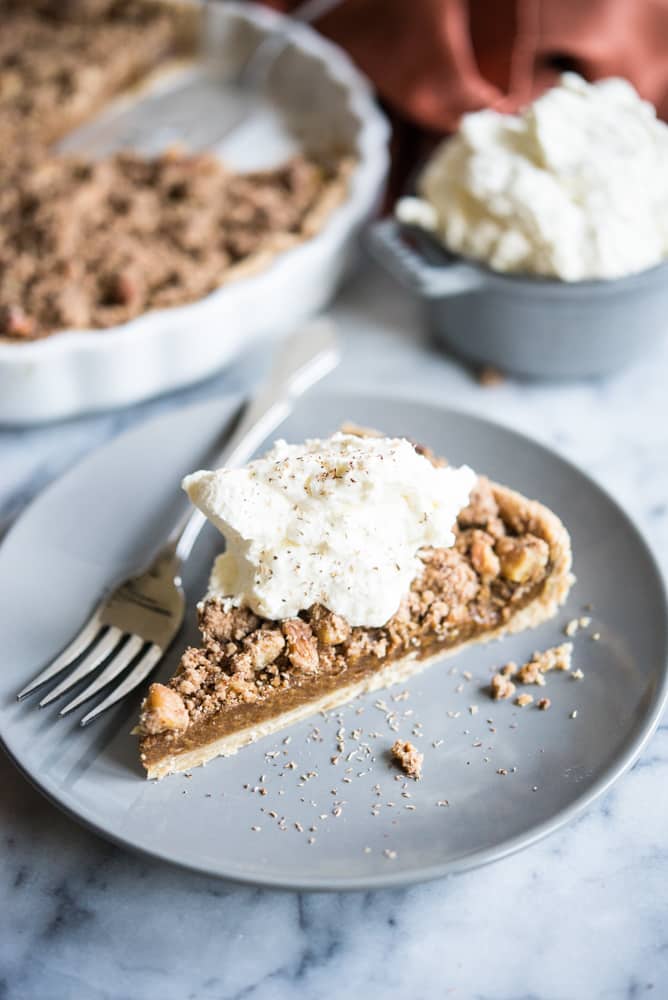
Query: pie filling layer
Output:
(509,569)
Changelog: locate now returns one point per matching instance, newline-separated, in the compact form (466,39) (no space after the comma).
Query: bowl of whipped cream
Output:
(538,242)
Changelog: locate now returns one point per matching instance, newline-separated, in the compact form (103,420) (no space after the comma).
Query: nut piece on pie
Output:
(508,570)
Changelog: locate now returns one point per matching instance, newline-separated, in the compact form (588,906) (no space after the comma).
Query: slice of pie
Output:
(507,569)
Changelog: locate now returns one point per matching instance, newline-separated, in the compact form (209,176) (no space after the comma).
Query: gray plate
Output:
(105,515)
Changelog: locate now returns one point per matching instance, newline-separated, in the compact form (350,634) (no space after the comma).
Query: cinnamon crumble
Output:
(94,244)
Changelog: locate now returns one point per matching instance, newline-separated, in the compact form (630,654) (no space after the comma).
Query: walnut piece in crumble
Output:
(163,710)
(408,758)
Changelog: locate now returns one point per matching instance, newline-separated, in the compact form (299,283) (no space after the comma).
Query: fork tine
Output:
(116,665)
(79,644)
(143,668)
(95,657)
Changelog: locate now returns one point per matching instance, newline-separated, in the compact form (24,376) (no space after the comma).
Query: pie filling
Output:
(249,670)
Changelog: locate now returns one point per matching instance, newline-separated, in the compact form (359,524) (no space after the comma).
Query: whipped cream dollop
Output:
(338,522)
(574,187)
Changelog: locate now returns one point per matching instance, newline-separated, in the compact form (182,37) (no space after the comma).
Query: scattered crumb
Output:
(575,624)
(473,709)
(555,658)
(409,760)
(508,669)
(489,376)
(574,714)
(442,802)
(523,700)
(577,675)
(390,854)
(530,673)
(501,687)
(256,829)
(596,636)
(543,704)
(502,770)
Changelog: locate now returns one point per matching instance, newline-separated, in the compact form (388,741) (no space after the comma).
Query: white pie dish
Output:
(327,103)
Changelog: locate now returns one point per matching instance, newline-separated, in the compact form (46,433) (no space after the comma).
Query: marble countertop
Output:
(579,915)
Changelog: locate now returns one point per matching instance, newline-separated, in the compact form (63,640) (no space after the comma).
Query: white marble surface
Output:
(584,914)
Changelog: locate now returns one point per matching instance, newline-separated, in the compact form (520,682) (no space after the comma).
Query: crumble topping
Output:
(88,244)
(92,244)
(408,758)
(245,659)
(61,59)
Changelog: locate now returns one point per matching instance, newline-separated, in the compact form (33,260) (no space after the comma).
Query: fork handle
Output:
(305,358)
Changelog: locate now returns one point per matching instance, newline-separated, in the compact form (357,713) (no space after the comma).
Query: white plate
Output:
(105,516)
(320,101)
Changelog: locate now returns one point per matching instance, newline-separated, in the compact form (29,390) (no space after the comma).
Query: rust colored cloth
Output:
(433,60)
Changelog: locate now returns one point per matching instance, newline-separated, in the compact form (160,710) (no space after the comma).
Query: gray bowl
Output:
(542,328)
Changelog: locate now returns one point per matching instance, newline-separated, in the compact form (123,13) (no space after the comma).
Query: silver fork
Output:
(138,619)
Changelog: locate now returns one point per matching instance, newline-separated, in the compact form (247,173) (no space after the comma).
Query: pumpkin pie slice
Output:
(509,569)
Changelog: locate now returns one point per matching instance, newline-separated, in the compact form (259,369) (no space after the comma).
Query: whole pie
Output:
(508,569)
(87,244)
